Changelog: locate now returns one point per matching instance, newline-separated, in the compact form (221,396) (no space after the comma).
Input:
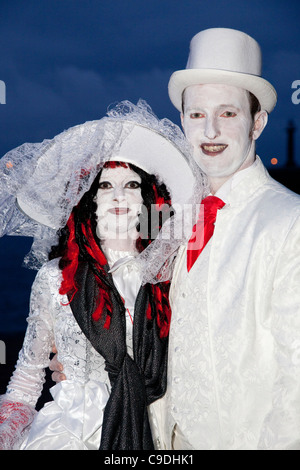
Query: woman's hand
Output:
(57,368)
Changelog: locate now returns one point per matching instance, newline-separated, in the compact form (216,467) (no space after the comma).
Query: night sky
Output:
(65,61)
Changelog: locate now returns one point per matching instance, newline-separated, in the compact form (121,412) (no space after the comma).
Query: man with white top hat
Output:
(234,355)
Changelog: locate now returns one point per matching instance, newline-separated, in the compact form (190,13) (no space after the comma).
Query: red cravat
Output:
(204,228)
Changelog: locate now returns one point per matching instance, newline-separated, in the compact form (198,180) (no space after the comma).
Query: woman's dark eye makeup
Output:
(105,185)
(130,185)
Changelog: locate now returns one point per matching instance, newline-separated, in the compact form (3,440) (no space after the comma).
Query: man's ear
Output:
(260,122)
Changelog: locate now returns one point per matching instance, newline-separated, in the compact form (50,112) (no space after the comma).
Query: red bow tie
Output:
(204,228)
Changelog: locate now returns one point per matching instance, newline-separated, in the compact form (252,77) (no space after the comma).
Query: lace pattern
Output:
(51,177)
(15,419)
(49,323)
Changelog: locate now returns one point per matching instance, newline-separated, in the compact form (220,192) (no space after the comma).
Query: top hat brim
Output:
(261,88)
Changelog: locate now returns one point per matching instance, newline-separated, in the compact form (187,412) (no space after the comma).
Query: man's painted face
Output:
(218,123)
(119,202)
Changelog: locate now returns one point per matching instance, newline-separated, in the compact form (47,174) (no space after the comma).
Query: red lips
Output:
(119,210)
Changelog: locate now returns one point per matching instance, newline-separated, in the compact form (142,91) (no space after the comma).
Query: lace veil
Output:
(49,179)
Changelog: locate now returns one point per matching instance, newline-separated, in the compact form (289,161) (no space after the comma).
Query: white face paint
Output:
(119,202)
(218,123)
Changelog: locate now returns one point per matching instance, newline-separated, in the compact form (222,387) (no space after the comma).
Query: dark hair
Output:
(253,101)
(254,104)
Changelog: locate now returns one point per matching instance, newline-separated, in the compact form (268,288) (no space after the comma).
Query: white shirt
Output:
(127,280)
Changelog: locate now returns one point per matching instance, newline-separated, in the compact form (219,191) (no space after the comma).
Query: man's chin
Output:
(217,173)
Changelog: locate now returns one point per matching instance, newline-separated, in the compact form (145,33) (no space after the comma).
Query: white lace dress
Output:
(73,420)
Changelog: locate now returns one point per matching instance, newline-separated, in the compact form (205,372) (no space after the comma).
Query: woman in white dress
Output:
(97,186)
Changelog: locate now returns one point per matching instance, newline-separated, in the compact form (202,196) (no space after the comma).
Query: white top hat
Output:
(223,56)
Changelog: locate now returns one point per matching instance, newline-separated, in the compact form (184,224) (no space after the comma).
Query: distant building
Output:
(2,352)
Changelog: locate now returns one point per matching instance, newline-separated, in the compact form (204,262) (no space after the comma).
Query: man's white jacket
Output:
(234,353)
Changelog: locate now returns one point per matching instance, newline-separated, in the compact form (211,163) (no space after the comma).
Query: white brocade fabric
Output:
(234,368)
(73,420)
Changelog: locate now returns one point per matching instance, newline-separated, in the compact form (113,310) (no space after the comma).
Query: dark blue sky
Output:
(65,61)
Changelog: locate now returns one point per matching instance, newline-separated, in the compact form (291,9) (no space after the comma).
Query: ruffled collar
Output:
(117,258)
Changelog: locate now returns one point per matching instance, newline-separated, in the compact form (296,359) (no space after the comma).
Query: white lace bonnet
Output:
(41,183)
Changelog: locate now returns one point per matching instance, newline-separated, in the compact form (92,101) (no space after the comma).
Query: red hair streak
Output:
(69,271)
(103,298)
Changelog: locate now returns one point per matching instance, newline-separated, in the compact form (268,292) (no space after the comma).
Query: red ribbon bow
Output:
(204,228)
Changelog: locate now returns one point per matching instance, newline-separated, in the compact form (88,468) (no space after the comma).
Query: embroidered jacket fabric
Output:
(233,379)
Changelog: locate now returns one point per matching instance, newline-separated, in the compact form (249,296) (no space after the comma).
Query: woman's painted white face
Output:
(218,123)
(119,201)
